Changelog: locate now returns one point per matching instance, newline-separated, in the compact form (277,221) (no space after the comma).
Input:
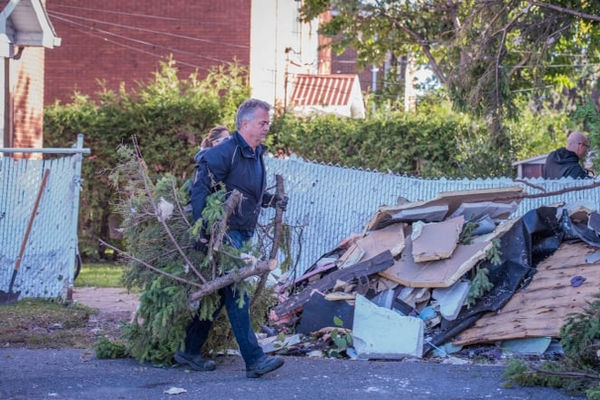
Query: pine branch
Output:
(566,374)
(143,172)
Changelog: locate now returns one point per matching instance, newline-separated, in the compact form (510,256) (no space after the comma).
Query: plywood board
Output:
(453,200)
(540,308)
(389,238)
(439,273)
(436,241)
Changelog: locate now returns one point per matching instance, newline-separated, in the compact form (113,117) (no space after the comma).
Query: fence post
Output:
(76,187)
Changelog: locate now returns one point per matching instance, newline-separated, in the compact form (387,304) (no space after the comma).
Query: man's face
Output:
(582,148)
(255,131)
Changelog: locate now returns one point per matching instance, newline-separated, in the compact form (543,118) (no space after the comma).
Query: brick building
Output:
(118,41)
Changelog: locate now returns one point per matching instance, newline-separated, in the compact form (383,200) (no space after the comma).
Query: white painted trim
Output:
(46,37)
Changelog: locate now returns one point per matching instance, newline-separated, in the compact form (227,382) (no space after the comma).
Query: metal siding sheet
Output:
(48,262)
(332,202)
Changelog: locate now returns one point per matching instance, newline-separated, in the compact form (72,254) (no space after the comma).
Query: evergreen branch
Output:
(232,277)
(566,374)
(278,220)
(143,172)
(151,267)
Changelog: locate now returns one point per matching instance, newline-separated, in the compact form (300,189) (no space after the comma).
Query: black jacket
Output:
(563,163)
(239,167)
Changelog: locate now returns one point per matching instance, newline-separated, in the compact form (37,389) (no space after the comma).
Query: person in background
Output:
(215,137)
(565,162)
(238,164)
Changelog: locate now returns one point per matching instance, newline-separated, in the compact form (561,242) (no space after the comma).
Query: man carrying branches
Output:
(237,164)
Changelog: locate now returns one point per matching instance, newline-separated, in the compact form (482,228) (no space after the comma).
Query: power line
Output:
(113,12)
(137,49)
(55,13)
(143,42)
(130,14)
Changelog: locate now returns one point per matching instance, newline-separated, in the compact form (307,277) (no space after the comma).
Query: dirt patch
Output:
(107,300)
(115,306)
(39,323)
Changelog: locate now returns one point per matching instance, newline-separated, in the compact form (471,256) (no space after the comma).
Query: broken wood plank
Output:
(389,238)
(385,215)
(372,266)
(540,308)
(439,273)
(436,241)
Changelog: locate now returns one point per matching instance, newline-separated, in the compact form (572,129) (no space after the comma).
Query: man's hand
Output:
(280,202)
(201,244)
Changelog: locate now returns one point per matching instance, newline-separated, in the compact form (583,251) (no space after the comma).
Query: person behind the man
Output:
(238,163)
(565,162)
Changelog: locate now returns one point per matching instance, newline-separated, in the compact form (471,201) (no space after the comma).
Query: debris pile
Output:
(441,274)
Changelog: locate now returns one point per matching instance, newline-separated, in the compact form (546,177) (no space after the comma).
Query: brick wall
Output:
(346,63)
(28,98)
(200,34)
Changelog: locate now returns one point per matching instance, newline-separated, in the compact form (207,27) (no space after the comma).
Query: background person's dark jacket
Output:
(239,167)
(563,163)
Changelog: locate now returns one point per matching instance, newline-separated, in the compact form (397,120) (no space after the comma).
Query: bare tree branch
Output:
(149,266)
(276,235)
(565,10)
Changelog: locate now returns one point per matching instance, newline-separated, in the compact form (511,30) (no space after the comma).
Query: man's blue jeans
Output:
(198,330)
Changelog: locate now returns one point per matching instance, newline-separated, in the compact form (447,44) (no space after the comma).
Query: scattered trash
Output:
(174,390)
(400,289)
(577,281)
(527,346)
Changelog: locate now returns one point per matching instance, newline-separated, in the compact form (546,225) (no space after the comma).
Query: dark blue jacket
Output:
(239,167)
(563,163)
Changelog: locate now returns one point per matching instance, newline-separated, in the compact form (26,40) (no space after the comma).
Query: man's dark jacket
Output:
(239,167)
(563,163)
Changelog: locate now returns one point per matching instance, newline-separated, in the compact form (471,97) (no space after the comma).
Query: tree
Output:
(484,52)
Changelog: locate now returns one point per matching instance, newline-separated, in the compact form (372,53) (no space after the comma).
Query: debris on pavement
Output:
(443,274)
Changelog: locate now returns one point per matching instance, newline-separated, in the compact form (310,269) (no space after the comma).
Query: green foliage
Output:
(466,235)
(519,373)
(105,348)
(165,312)
(340,339)
(494,255)
(169,116)
(580,336)
(433,142)
(480,285)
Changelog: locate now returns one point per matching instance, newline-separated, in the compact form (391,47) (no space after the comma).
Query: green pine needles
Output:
(159,236)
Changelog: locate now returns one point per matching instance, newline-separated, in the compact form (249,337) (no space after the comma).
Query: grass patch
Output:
(43,323)
(100,275)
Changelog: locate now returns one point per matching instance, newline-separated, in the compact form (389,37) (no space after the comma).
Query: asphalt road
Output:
(76,374)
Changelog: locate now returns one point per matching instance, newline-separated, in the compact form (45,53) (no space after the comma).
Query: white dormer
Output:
(25,23)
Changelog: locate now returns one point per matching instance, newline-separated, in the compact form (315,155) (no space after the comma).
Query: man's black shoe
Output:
(264,365)
(195,362)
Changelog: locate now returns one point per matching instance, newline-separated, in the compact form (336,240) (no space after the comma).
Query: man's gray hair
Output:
(247,109)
